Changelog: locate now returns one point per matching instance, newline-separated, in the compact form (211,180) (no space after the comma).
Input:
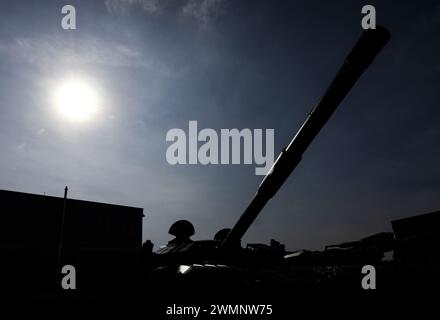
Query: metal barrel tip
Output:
(369,45)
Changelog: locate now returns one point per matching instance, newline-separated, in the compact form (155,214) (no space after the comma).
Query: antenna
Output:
(60,245)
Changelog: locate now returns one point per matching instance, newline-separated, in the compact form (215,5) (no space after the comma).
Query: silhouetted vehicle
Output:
(222,263)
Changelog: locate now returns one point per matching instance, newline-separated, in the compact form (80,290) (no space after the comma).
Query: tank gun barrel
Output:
(362,55)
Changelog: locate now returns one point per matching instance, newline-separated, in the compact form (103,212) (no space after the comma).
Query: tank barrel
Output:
(361,56)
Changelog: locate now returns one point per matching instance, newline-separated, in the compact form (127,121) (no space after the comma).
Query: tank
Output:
(222,262)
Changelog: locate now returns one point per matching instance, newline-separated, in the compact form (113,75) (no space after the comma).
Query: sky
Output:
(156,65)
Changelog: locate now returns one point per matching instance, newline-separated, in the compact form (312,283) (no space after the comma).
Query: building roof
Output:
(17,194)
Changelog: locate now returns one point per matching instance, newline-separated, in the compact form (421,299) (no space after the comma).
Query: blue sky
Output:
(227,64)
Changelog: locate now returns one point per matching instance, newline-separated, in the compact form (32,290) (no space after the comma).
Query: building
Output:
(418,238)
(102,241)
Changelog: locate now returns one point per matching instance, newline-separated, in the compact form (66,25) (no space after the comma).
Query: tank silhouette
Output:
(223,263)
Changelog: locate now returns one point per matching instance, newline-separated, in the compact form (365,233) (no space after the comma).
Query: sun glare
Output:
(76,100)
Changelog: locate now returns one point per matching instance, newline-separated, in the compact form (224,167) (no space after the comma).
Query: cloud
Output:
(124,6)
(21,146)
(204,11)
(53,50)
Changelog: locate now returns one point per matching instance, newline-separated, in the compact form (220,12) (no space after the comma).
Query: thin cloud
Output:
(21,146)
(124,6)
(204,11)
(50,50)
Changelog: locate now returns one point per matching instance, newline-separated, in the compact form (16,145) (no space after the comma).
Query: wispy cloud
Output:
(124,6)
(204,11)
(51,50)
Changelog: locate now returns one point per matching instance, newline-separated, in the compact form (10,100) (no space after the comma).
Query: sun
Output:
(76,100)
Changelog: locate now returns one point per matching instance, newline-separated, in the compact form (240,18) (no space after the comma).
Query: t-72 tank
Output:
(222,262)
